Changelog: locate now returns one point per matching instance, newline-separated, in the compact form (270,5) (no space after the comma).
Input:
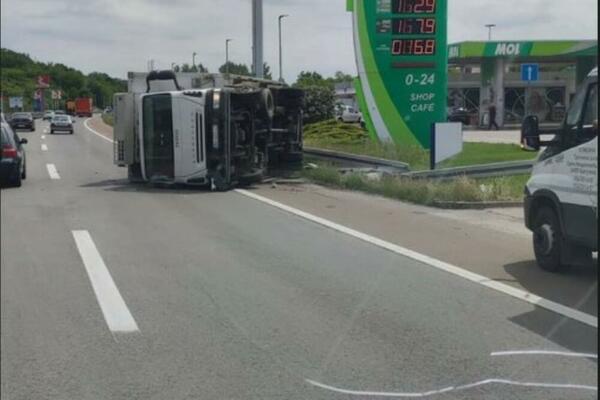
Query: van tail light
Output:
(9,152)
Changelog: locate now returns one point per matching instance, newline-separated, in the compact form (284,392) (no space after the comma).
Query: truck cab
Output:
(216,136)
(561,198)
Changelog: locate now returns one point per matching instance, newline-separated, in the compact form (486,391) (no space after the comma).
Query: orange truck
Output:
(71,108)
(84,106)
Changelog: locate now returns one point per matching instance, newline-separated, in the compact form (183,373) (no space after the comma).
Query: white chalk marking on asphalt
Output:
(542,353)
(486,382)
(44,147)
(117,315)
(96,133)
(52,172)
(452,269)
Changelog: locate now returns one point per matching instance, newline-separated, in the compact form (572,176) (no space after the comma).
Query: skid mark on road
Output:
(443,266)
(52,172)
(486,382)
(116,314)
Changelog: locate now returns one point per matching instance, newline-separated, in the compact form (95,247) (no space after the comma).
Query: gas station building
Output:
(519,77)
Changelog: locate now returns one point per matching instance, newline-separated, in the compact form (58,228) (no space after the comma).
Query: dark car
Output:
(22,121)
(459,114)
(61,123)
(13,167)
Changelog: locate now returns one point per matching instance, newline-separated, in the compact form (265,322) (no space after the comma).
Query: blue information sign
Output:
(530,72)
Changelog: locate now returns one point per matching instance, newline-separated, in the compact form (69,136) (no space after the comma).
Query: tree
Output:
(267,71)
(308,79)
(236,69)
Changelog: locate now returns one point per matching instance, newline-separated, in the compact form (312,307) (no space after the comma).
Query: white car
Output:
(348,114)
(48,115)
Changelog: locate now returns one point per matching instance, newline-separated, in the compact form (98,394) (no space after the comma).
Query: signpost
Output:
(530,72)
(401,51)
(15,102)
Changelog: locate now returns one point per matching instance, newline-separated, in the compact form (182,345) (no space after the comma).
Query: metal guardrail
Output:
(397,166)
(477,171)
(474,171)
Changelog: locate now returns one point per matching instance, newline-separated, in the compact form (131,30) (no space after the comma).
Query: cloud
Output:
(117,36)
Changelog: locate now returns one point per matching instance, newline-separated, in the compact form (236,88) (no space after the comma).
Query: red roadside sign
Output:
(43,81)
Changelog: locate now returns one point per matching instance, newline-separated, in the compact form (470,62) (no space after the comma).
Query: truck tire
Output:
(548,242)
(256,176)
(267,105)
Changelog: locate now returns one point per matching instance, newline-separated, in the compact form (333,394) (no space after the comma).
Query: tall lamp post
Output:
(281,17)
(227,41)
(490,27)
(194,59)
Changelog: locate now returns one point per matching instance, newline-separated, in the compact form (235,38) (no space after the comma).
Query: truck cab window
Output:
(591,108)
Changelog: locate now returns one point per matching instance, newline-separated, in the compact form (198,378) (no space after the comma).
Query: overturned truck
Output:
(209,130)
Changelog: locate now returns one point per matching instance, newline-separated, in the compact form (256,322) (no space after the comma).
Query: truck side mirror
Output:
(530,134)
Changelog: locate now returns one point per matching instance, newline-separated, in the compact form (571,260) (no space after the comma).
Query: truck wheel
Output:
(256,176)
(267,106)
(548,243)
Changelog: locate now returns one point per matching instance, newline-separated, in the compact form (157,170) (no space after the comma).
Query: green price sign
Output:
(402,57)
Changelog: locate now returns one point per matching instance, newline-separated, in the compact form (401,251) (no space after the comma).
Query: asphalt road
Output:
(114,291)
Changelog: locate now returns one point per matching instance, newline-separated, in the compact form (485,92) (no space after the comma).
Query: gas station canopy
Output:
(543,51)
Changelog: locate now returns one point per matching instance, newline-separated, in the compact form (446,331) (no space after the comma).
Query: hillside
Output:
(18,75)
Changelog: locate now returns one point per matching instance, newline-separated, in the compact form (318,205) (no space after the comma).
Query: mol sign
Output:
(402,58)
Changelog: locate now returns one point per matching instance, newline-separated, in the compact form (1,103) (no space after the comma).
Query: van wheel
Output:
(548,243)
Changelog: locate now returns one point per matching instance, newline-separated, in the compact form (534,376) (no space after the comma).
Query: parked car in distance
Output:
(13,167)
(48,115)
(22,120)
(348,114)
(59,112)
(459,114)
(61,123)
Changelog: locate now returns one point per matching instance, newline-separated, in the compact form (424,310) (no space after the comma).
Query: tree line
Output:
(18,78)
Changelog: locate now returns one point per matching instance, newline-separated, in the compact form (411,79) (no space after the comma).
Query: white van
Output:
(561,203)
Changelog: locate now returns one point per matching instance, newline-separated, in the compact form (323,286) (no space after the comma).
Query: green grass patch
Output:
(108,119)
(349,138)
(424,192)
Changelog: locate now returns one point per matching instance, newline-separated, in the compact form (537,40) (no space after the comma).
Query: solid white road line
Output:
(117,315)
(452,269)
(96,133)
(430,393)
(52,172)
(543,353)
(44,147)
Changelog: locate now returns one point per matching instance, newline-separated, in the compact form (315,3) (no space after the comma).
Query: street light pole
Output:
(281,49)
(257,39)
(490,27)
(194,59)
(227,55)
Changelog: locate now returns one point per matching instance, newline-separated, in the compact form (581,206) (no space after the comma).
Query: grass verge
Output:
(108,119)
(505,189)
(348,138)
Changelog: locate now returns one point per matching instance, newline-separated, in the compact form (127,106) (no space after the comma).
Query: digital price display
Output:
(414,26)
(402,60)
(413,47)
(414,6)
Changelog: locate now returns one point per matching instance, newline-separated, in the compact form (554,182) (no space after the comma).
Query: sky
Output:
(117,36)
